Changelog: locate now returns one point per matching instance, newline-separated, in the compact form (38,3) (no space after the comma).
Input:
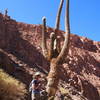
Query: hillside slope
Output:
(20,50)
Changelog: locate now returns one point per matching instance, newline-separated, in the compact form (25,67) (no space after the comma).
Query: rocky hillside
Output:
(20,56)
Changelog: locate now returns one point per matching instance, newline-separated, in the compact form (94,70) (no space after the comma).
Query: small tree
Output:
(54,55)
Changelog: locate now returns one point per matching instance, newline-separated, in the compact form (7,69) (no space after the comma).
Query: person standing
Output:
(35,86)
(6,12)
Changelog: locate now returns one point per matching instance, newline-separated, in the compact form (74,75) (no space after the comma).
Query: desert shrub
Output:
(10,88)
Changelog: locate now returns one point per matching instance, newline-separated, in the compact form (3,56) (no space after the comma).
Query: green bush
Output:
(10,88)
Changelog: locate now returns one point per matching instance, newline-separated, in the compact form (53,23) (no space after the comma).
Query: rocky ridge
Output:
(20,48)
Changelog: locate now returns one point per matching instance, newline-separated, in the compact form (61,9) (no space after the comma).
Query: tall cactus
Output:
(53,76)
(55,61)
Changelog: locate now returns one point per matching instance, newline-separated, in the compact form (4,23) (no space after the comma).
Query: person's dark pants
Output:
(35,96)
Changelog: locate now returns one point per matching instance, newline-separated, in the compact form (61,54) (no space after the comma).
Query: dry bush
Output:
(10,88)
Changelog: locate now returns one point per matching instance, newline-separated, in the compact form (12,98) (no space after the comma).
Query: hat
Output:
(37,73)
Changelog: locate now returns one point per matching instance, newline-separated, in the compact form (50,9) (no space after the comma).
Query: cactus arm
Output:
(57,25)
(65,47)
(44,46)
(52,39)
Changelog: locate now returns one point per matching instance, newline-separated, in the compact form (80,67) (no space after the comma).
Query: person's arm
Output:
(34,86)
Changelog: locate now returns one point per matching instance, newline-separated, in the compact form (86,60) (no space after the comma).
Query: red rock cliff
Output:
(20,44)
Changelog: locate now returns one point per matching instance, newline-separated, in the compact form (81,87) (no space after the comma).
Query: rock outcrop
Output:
(20,55)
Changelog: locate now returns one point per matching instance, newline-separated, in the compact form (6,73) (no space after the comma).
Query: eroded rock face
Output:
(22,44)
(6,63)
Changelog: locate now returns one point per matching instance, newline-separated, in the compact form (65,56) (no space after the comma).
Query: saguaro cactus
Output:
(55,61)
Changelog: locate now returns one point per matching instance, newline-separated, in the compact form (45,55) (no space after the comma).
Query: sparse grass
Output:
(10,88)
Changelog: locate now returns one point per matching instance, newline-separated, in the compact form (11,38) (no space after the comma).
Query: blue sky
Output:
(84,14)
